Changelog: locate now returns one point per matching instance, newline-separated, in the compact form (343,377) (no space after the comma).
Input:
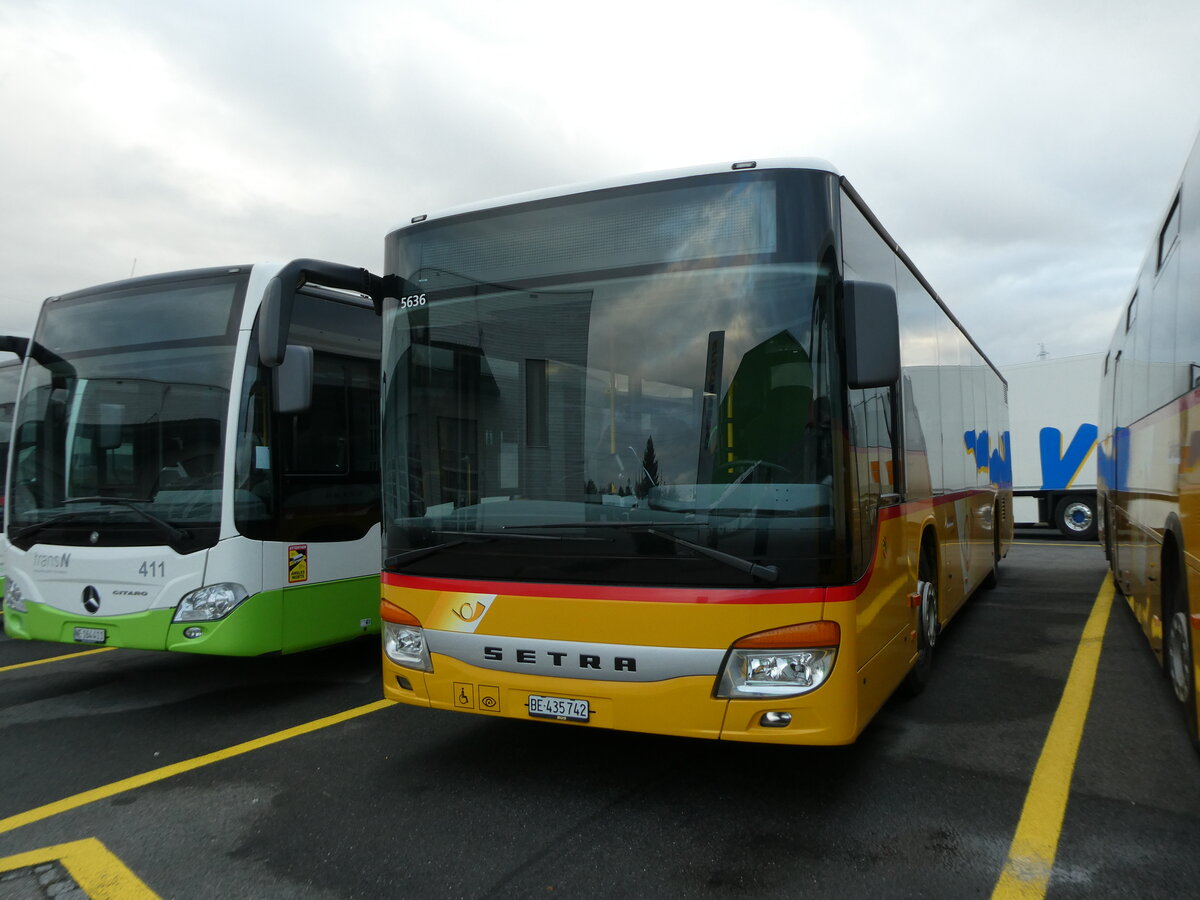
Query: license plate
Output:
(562,708)
(91,635)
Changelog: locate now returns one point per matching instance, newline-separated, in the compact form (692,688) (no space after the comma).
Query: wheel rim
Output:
(1180,656)
(1078,517)
(929,611)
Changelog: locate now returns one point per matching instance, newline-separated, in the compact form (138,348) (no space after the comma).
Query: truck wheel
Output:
(1075,517)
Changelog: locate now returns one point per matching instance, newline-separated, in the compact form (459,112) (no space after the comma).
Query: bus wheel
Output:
(927,621)
(1075,517)
(1180,665)
(993,577)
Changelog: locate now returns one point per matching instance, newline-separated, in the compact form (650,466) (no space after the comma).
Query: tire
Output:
(992,579)
(1179,660)
(1075,517)
(928,628)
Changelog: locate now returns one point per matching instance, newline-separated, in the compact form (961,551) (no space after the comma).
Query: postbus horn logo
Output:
(91,599)
(469,612)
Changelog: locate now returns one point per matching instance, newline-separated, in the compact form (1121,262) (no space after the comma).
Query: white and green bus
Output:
(195,468)
(10,378)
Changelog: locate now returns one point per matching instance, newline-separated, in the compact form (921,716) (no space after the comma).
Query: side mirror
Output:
(60,369)
(112,418)
(274,322)
(14,344)
(872,334)
(275,313)
(294,380)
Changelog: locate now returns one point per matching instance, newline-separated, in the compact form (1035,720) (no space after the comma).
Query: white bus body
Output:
(168,491)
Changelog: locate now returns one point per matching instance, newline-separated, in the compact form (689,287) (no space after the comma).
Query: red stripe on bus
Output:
(762,596)
(608,591)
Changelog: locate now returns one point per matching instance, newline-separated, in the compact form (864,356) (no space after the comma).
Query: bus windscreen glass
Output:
(122,423)
(652,405)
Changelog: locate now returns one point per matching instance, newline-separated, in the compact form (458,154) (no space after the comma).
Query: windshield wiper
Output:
(769,574)
(608,523)
(493,535)
(403,559)
(174,535)
(30,530)
(469,537)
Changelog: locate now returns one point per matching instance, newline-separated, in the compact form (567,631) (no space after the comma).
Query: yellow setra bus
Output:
(1149,449)
(697,453)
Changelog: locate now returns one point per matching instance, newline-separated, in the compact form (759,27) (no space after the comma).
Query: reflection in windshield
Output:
(134,439)
(698,398)
(132,434)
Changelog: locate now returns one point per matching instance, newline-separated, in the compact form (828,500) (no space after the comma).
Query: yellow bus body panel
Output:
(640,620)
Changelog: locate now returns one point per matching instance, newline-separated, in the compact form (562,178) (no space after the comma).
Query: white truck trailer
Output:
(1054,405)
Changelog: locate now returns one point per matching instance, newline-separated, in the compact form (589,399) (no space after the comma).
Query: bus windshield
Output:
(657,406)
(120,436)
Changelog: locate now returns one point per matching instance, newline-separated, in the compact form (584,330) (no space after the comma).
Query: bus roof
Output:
(156,278)
(264,269)
(819,165)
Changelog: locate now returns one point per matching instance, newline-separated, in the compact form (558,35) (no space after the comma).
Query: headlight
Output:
(13,598)
(404,638)
(209,603)
(782,662)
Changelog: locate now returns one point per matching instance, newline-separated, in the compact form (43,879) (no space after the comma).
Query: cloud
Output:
(1020,152)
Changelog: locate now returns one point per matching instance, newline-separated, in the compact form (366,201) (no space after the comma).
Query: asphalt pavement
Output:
(287,777)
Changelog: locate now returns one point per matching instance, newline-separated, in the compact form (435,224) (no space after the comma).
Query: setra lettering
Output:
(557,658)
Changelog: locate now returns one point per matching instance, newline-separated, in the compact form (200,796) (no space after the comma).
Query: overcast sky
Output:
(1021,151)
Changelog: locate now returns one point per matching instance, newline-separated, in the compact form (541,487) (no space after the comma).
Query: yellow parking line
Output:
(1030,860)
(50,659)
(196,762)
(100,874)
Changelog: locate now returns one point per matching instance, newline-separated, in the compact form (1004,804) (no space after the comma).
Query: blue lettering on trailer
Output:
(1059,469)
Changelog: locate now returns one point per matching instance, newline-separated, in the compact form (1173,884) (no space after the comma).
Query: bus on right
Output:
(1149,451)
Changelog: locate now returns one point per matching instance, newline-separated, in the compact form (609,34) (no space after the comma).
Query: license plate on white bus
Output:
(563,708)
(91,635)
